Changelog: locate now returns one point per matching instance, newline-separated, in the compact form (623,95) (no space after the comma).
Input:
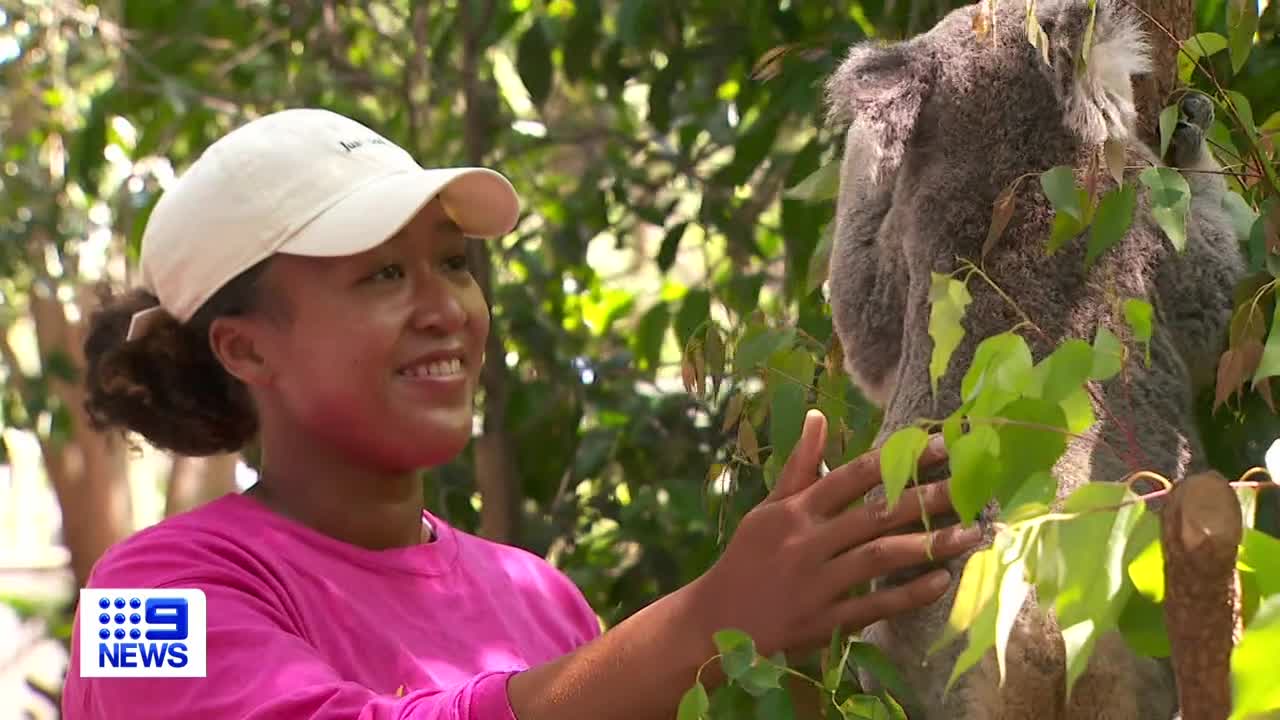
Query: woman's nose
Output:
(438,304)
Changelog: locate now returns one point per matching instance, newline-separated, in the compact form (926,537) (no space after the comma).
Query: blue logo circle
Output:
(119,633)
(119,618)
(135,618)
(119,603)
(104,603)
(135,603)
(135,633)
(104,618)
(104,633)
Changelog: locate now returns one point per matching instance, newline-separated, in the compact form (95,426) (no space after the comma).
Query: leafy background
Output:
(677,180)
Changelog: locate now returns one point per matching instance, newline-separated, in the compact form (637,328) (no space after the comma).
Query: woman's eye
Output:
(388,272)
(459,263)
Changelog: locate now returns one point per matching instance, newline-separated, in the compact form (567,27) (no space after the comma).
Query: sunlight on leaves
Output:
(899,460)
(948,299)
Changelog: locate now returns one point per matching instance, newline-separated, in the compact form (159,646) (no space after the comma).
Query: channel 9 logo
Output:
(142,633)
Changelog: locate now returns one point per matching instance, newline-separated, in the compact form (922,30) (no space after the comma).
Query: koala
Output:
(935,128)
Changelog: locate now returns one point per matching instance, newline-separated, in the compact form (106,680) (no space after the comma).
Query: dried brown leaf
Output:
(747,441)
(1001,214)
(1115,156)
(734,411)
(1229,378)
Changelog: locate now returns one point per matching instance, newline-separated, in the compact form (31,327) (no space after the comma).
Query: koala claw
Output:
(1196,109)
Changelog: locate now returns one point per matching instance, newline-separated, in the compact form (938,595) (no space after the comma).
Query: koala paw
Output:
(1197,110)
(1196,115)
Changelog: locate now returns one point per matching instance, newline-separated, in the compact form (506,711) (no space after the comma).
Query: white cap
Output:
(302,182)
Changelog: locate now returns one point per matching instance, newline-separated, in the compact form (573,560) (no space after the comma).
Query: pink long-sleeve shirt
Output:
(301,626)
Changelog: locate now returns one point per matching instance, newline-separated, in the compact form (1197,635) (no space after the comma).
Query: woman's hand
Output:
(784,580)
(784,577)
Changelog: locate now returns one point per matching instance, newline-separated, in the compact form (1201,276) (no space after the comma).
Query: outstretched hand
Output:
(785,576)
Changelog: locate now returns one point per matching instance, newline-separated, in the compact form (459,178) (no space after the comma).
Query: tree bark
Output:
(88,470)
(496,474)
(1202,526)
(195,481)
(1160,19)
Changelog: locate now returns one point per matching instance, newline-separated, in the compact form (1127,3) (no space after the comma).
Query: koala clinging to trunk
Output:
(937,127)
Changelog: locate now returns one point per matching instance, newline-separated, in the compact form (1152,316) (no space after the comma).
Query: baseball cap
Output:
(302,181)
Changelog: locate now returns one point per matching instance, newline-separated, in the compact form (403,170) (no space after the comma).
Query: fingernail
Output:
(938,580)
(971,535)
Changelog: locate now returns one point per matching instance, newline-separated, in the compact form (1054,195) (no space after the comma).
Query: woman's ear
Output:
(235,342)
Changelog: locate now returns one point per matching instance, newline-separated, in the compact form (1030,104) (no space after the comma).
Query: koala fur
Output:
(937,126)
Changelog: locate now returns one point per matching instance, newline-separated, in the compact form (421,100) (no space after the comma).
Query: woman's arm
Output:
(783,579)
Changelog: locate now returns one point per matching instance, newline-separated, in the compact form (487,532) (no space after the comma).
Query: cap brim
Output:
(481,201)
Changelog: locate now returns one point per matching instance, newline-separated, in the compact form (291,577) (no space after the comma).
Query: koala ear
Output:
(1097,87)
(879,90)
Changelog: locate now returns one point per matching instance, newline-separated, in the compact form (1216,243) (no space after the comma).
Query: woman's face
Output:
(380,354)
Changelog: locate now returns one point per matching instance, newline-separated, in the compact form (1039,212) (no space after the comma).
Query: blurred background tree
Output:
(677,185)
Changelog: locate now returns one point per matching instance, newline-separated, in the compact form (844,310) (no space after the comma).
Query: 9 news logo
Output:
(142,633)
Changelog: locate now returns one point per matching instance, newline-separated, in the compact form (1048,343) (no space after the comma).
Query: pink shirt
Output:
(303,626)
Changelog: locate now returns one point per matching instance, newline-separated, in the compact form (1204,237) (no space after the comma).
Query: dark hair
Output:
(168,386)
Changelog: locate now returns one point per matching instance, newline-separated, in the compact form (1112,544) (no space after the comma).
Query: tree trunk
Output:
(1151,93)
(195,481)
(88,470)
(496,474)
(1201,531)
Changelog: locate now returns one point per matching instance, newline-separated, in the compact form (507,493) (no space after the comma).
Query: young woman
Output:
(305,282)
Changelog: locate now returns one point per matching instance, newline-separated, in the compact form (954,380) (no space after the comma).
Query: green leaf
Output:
(1142,625)
(757,344)
(1031,441)
(1168,123)
(671,246)
(1079,640)
(1254,688)
(898,460)
(760,678)
(1092,548)
(820,260)
(1033,498)
(1062,373)
(788,388)
(737,651)
(1269,364)
(974,458)
(822,184)
(650,332)
(1196,47)
(774,705)
(948,299)
(1146,571)
(1059,184)
(1108,355)
(1241,213)
(533,62)
(1111,221)
(978,583)
(1242,25)
(864,707)
(1260,555)
(88,158)
(694,311)
(873,660)
(1011,596)
(1170,202)
(694,704)
(1078,410)
(1001,361)
(1140,316)
(1065,229)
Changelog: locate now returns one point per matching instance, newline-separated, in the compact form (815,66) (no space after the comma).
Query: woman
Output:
(305,283)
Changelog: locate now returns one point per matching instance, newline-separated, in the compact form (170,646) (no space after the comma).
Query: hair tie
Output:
(143,321)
